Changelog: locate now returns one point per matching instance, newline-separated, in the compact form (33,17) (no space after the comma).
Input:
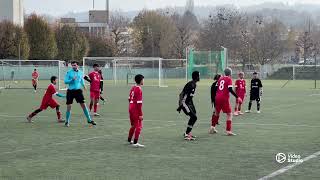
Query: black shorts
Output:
(189,109)
(75,94)
(254,97)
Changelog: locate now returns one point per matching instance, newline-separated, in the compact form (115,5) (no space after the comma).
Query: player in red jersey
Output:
(94,78)
(240,87)
(35,78)
(135,111)
(223,103)
(48,101)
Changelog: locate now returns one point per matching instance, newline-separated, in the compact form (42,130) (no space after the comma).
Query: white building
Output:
(12,10)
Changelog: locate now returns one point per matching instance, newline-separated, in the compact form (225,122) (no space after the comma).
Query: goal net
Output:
(17,74)
(121,70)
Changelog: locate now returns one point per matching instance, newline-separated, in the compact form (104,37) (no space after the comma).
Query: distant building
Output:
(12,10)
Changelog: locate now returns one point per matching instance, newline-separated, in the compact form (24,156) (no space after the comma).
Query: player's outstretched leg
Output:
(29,118)
(95,107)
(258,106)
(91,105)
(68,115)
(236,109)
(229,125)
(214,122)
(249,107)
(59,114)
(138,129)
(188,135)
(87,114)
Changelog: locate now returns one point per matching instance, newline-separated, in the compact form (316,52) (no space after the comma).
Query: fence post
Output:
(293,72)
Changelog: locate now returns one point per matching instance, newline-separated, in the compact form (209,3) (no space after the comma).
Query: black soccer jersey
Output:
(213,91)
(188,92)
(255,86)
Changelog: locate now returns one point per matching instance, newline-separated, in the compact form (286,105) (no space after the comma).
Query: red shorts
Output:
(49,103)
(242,98)
(95,95)
(134,119)
(223,105)
(34,82)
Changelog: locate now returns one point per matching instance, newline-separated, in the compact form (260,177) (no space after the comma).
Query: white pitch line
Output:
(314,95)
(284,169)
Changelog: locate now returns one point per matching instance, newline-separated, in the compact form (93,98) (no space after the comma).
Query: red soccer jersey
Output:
(35,75)
(135,100)
(51,90)
(95,78)
(240,87)
(222,90)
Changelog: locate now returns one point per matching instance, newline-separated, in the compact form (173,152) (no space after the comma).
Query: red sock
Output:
(131,131)
(90,106)
(95,107)
(239,107)
(138,130)
(229,125)
(59,115)
(235,109)
(214,120)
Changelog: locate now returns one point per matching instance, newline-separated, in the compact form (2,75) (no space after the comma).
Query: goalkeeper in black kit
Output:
(255,92)
(186,104)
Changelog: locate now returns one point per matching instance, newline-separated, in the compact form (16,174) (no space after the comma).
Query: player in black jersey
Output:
(213,91)
(255,92)
(186,104)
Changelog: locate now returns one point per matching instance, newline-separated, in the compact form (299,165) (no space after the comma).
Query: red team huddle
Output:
(220,96)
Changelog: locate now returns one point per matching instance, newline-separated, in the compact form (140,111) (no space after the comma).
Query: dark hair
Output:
(96,65)
(217,77)
(228,72)
(74,62)
(53,78)
(254,73)
(138,78)
(195,75)
(35,69)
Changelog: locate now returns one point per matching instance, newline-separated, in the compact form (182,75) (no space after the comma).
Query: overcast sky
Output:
(59,7)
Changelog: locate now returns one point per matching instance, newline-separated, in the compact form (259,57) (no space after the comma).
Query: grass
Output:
(289,123)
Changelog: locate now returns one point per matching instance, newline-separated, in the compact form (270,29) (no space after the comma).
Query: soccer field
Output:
(289,123)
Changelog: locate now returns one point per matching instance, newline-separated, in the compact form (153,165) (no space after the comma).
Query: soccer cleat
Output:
(67,124)
(93,123)
(131,142)
(35,91)
(236,113)
(103,102)
(240,113)
(96,114)
(258,112)
(248,111)
(189,137)
(229,133)
(212,130)
(137,145)
(29,120)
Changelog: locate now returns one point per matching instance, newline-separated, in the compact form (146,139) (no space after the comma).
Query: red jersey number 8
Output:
(221,86)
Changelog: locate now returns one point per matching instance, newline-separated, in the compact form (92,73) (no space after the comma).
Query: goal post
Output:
(121,70)
(16,74)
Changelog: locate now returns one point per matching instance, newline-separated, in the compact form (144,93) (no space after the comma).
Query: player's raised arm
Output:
(86,77)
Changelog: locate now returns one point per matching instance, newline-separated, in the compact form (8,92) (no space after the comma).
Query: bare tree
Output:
(267,44)
(305,45)
(119,32)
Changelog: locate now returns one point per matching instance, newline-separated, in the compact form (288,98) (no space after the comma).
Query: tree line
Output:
(160,33)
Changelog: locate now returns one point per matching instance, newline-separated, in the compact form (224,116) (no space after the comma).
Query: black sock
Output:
(189,129)
(250,104)
(135,141)
(258,106)
(129,140)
